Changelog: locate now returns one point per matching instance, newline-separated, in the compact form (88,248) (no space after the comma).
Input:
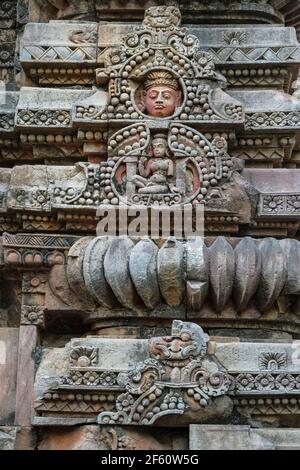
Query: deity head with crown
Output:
(160,95)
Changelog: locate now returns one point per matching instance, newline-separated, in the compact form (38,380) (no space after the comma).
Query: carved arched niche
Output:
(162,57)
(178,166)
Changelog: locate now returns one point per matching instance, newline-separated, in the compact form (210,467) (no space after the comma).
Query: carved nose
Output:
(176,347)
(159,98)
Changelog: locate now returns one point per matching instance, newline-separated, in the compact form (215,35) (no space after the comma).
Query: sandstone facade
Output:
(142,342)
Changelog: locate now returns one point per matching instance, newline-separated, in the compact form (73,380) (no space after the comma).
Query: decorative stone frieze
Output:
(28,250)
(183,376)
(174,379)
(211,178)
(46,49)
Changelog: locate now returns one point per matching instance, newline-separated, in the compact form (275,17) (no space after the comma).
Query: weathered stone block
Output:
(242,438)
(9,338)
(60,52)
(47,108)
(26,371)
(113,438)
(7,438)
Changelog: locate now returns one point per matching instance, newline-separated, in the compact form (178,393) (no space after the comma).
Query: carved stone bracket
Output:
(74,46)
(184,378)
(170,382)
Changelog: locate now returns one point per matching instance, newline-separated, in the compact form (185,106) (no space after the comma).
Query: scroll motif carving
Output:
(83,36)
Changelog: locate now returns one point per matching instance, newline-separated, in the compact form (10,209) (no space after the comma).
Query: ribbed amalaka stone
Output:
(116,269)
(222,266)
(247,272)
(58,282)
(143,271)
(93,271)
(75,268)
(170,263)
(197,272)
(273,274)
(291,249)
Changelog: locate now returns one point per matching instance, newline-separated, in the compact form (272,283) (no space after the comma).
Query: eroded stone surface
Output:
(7,438)
(112,438)
(9,338)
(242,438)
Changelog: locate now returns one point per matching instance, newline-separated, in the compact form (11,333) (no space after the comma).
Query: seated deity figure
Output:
(161,94)
(156,174)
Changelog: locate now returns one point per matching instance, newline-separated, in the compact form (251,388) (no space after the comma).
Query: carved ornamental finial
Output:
(188,341)
(165,59)
(162,18)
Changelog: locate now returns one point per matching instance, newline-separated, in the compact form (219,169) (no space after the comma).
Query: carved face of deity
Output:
(159,147)
(160,94)
(162,17)
(161,101)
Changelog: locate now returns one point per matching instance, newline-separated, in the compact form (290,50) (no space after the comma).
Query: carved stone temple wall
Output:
(126,343)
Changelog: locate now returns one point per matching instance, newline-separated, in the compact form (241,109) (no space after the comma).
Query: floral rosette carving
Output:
(213,385)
